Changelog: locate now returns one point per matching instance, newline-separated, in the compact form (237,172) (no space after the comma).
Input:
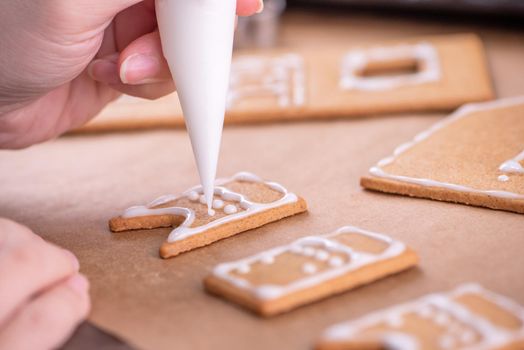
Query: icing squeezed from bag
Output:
(197,40)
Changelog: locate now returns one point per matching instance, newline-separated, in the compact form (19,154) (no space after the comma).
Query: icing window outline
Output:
(285,81)
(355,61)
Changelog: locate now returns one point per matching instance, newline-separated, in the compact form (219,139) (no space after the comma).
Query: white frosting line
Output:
(439,308)
(356,61)
(512,166)
(282,77)
(185,230)
(462,112)
(230,209)
(310,246)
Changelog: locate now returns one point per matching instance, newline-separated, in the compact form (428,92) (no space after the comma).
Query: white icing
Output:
(355,61)
(185,230)
(460,113)
(218,204)
(512,166)
(432,307)
(230,209)
(309,268)
(193,195)
(309,246)
(503,178)
(281,77)
(243,269)
(202,199)
(336,261)
(322,255)
(200,63)
(267,260)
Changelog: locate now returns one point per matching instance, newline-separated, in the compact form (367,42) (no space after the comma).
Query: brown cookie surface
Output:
(473,157)
(241,203)
(309,269)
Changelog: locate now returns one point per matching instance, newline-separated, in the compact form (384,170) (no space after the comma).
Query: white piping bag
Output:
(197,40)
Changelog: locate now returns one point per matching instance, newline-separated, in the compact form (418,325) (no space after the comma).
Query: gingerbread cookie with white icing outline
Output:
(474,157)
(309,269)
(470,317)
(415,74)
(242,202)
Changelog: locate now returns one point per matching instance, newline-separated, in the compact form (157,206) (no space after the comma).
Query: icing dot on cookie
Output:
(322,255)
(336,261)
(267,260)
(441,319)
(503,178)
(202,199)
(218,204)
(309,268)
(230,209)
(211,212)
(243,269)
(308,251)
(193,195)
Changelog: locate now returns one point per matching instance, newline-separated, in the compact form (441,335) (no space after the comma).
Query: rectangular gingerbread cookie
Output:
(418,74)
(470,317)
(474,157)
(309,269)
(241,203)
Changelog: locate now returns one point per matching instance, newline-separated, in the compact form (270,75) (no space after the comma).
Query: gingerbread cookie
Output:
(474,157)
(309,269)
(421,74)
(469,317)
(241,203)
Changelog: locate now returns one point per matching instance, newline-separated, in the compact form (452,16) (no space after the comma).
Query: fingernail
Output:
(139,69)
(74,260)
(260,6)
(78,283)
(104,71)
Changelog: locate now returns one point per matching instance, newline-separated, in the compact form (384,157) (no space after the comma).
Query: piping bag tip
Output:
(197,41)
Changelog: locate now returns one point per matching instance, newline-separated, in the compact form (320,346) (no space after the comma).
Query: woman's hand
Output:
(42,296)
(62,61)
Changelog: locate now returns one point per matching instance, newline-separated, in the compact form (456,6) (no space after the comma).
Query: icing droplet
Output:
(211,212)
(309,268)
(308,251)
(503,178)
(243,269)
(441,319)
(322,255)
(202,199)
(218,204)
(267,259)
(336,261)
(230,209)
